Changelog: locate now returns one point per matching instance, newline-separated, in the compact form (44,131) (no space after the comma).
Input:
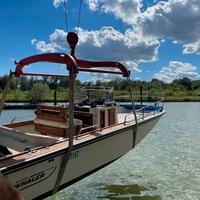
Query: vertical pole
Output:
(55,97)
(66,156)
(72,39)
(5,92)
(71,105)
(72,77)
(134,111)
(141,94)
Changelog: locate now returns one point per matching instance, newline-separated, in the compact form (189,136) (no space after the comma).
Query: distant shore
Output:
(45,89)
(116,99)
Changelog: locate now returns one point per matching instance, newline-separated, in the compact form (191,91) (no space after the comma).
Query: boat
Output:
(64,144)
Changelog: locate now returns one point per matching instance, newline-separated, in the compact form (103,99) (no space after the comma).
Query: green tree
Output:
(3,81)
(53,83)
(24,83)
(186,82)
(39,91)
(31,82)
(196,84)
(64,82)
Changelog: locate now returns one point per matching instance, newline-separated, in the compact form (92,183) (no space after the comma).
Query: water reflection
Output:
(127,192)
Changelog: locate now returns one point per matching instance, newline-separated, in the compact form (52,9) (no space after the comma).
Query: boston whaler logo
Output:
(34,179)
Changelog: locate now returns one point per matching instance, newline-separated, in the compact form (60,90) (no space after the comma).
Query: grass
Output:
(62,95)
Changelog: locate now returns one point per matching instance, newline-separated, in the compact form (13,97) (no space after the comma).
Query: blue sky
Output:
(155,39)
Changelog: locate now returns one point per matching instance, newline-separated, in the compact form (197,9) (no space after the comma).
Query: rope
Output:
(79,16)
(5,92)
(66,157)
(134,112)
(65,12)
(66,17)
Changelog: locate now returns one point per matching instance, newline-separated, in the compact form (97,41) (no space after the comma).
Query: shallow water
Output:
(17,115)
(164,166)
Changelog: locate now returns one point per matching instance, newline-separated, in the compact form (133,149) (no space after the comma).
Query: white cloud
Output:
(162,40)
(132,66)
(42,46)
(57,3)
(57,41)
(108,77)
(58,38)
(126,10)
(102,77)
(192,48)
(93,4)
(174,42)
(178,20)
(106,44)
(143,48)
(176,70)
(137,78)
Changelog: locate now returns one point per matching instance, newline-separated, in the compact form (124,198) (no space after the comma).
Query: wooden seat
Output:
(53,120)
(52,113)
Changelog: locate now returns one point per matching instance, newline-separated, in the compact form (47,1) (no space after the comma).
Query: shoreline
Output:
(116,99)
(18,105)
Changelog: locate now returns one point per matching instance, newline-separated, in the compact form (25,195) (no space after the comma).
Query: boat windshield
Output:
(99,94)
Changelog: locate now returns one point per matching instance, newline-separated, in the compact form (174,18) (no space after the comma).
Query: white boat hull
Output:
(36,178)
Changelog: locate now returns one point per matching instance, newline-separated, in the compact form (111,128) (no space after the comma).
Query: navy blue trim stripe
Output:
(74,180)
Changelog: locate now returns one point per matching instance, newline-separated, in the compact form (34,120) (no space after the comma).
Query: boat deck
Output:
(61,143)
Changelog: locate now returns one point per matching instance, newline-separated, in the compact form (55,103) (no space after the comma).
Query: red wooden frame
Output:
(71,62)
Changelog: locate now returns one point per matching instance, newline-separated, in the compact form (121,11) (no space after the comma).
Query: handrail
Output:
(143,109)
(127,116)
(159,101)
(94,88)
(85,129)
(12,121)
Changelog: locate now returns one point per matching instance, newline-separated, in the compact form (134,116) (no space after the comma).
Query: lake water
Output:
(164,166)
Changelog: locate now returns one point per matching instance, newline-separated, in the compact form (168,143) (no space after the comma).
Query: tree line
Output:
(26,84)
(182,86)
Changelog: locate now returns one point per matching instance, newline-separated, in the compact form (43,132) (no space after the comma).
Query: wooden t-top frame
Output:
(71,62)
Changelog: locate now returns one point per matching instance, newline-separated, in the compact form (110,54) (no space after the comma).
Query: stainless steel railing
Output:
(85,129)
(21,117)
(141,114)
